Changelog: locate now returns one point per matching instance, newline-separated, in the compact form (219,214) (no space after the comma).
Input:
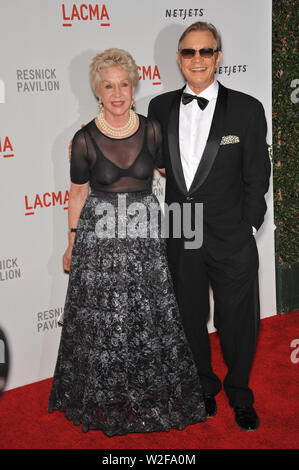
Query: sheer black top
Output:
(117,165)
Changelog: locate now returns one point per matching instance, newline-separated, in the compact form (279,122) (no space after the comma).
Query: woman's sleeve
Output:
(159,162)
(79,168)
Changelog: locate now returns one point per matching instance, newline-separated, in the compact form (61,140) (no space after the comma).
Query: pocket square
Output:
(229,139)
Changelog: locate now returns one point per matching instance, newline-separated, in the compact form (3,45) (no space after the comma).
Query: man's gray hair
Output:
(203,26)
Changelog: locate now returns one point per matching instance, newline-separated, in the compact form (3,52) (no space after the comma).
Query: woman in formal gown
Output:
(124,365)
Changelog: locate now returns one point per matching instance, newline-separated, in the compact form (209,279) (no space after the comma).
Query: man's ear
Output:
(219,57)
(178,58)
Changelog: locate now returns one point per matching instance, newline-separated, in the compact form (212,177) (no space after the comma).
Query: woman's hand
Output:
(67,258)
(162,171)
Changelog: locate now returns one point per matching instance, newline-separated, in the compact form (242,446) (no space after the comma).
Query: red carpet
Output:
(26,424)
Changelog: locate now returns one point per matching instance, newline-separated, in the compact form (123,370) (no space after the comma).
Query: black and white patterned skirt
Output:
(124,364)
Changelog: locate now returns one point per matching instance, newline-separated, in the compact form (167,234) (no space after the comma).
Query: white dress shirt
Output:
(194,128)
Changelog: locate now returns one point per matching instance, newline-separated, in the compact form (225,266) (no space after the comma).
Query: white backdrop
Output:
(45,97)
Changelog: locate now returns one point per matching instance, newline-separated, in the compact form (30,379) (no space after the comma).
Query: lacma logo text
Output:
(40,201)
(84,12)
(6,148)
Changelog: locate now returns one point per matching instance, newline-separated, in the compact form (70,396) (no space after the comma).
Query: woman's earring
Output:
(133,104)
(101,106)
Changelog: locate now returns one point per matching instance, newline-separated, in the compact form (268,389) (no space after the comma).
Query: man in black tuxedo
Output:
(216,154)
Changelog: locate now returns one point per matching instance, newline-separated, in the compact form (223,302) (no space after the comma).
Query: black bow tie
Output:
(202,102)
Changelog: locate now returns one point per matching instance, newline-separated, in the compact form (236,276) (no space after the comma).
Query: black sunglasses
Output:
(206,53)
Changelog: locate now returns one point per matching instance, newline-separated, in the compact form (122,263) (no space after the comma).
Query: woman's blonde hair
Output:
(111,58)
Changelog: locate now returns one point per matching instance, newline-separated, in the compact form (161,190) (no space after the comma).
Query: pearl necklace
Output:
(118,131)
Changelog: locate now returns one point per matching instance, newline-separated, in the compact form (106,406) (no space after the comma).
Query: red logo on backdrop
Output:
(40,201)
(6,149)
(85,12)
(148,72)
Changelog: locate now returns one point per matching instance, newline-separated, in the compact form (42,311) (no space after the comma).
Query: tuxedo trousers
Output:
(234,283)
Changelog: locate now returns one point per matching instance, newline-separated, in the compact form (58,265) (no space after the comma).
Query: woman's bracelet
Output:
(72,230)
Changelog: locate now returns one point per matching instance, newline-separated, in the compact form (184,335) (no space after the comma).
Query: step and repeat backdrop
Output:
(45,97)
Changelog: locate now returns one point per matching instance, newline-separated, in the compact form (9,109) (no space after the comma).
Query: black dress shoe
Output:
(246,418)
(210,405)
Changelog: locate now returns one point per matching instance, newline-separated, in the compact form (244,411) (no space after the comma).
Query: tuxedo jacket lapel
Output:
(213,142)
(174,144)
